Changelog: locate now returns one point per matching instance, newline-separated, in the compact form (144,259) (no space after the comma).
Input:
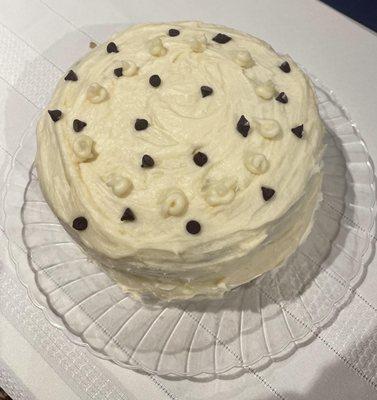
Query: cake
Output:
(184,158)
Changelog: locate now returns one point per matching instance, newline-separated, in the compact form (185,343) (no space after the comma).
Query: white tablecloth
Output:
(341,363)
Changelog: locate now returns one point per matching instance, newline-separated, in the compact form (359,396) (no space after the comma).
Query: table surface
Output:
(340,52)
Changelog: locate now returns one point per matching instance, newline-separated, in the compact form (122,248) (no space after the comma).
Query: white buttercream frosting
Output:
(120,185)
(129,68)
(96,93)
(83,147)
(156,47)
(255,163)
(244,59)
(174,203)
(269,128)
(199,43)
(96,173)
(220,192)
(265,90)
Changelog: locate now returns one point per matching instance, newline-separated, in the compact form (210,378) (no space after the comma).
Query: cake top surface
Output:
(178,137)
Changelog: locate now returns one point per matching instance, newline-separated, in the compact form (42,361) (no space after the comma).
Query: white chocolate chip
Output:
(244,59)
(96,93)
(220,192)
(120,185)
(199,44)
(174,203)
(255,163)
(269,128)
(129,68)
(265,90)
(156,48)
(83,147)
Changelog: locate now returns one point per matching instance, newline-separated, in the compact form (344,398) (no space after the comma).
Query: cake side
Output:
(193,159)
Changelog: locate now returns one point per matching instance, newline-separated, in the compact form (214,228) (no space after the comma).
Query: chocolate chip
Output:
(200,159)
(92,45)
(243,126)
(285,67)
(155,81)
(78,125)
(267,193)
(71,76)
(112,48)
(174,32)
(282,98)
(221,38)
(141,124)
(193,227)
(147,161)
(55,114)
(80,223)
(298,131)
(206,91)
(128,215)
(118,72)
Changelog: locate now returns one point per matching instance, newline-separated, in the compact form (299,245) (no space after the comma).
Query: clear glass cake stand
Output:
(251,326)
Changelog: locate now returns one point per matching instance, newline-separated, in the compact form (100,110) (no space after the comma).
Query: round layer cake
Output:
(185,157)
